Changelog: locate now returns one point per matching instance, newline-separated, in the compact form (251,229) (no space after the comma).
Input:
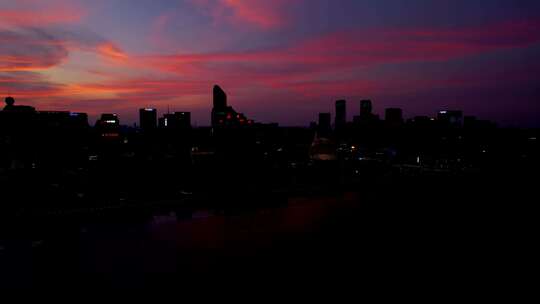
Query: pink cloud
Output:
(310,60)
(260,13)
(29,50)
(41,17)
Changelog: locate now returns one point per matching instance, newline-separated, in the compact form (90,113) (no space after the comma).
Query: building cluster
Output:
(393,118)
(166,156)
(172,134)
(224,115)
(19,118)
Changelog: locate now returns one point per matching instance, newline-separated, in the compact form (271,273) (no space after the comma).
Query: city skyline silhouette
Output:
(171,143)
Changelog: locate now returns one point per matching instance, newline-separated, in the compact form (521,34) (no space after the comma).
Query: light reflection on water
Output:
(172,241)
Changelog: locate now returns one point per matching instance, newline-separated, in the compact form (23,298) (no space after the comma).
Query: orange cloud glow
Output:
(111,51)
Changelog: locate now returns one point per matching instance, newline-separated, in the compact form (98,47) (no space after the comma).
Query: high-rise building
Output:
(176,121)
(224,115)
(108,120)
(366,117)
(183,120)
(341,114)
(148,119)
(393,116)
(219,111)
(325,124)
(220,98)
(108,126)
(366,108)
(450,118)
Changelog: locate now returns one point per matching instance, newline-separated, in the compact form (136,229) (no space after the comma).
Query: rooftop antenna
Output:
(168,109)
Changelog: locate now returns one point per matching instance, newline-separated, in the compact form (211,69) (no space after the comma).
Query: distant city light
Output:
(149,110)
(110,135)
(443,112)
(110,121)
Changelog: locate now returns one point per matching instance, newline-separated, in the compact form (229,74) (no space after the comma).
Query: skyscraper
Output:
(183,120)
(220,98)
(108,120)
(148,119)
(450,118)
(325,121)
(176,121)
(108,126)
(366,108)
(341,114)
(219,111)
(224,115)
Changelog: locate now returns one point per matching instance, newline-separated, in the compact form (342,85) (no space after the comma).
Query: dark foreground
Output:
(426,229)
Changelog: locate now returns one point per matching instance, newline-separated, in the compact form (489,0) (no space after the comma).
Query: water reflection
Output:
(197,242)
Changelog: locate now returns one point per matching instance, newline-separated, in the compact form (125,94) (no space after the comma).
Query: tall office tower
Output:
(224,115)
(450,118)
(393,116)
(108,120)
(148,119)
(366,108)
(325,124)
(183,120)
(219,111)
(176,121)
(220,98)
(341,114)
(108,126)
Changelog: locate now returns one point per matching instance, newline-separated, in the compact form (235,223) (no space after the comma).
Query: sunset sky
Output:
(279,60)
